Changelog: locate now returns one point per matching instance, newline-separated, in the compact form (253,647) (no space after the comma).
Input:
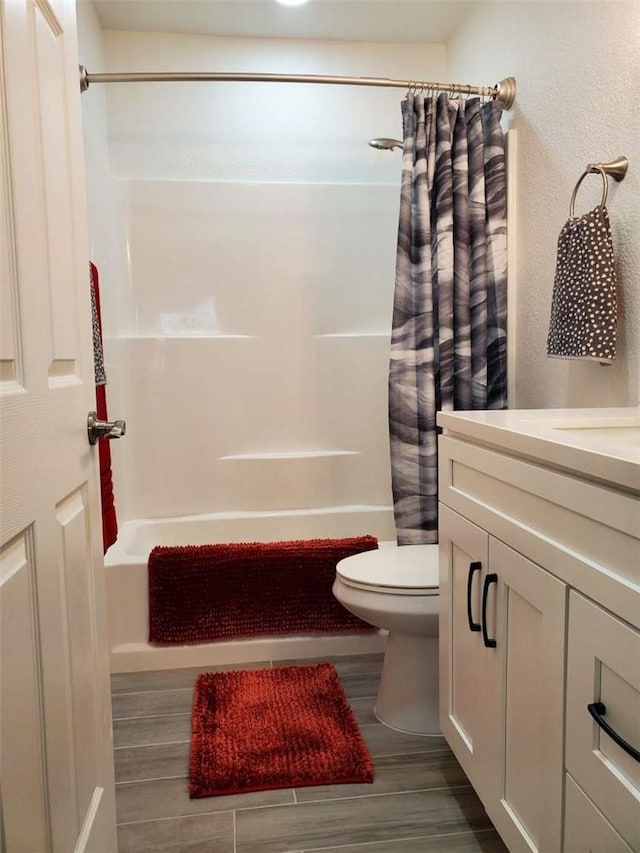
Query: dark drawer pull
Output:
(473,568)
(489,579)
(597,711)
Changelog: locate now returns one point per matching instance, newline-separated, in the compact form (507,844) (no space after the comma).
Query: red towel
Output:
(109,520)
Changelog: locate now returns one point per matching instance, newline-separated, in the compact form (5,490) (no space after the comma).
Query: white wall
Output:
(577,67)
(254,311)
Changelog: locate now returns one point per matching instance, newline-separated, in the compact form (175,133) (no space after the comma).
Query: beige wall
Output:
(577,67)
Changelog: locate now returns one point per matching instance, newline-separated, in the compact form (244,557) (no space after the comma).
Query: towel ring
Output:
(590,170)
(617,169)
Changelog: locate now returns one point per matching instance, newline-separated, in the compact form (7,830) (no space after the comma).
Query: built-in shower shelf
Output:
(194,337)
(293,454)
(222,337)
(356,335)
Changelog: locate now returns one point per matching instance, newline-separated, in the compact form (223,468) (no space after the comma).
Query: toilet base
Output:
(408,694)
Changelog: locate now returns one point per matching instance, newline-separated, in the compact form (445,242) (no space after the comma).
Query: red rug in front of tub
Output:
(255,730)
(204,593)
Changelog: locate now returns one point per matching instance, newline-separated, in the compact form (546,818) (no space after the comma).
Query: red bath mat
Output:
(199,594)
(254,730)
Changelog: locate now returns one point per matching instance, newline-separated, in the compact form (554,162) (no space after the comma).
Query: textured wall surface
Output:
(577,67)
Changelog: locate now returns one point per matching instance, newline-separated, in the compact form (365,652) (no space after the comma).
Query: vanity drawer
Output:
(604,666)
(586,830)
(582,532)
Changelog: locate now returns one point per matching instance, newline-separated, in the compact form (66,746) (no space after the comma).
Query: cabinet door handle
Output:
(473,568)
(597,711)
(489,579)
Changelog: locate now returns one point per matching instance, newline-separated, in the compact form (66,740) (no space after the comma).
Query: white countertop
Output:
(598,443)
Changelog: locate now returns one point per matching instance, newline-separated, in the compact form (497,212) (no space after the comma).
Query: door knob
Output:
(104,429)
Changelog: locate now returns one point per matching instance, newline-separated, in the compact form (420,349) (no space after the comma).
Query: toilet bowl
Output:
(396,588)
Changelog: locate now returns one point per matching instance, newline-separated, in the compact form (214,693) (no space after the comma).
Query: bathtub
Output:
(127,586)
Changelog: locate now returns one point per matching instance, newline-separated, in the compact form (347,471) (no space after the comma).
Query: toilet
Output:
(396,588)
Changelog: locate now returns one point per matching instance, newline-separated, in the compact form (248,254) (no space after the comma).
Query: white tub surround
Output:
(128,592)
(270,316)
(540,620)
(258,231)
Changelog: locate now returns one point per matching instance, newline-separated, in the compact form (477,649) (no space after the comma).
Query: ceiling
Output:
(392,21)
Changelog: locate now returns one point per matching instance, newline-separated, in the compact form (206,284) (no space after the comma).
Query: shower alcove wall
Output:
(246,240)
(263,406)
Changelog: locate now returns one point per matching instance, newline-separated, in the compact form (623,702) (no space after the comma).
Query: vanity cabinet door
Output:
(469,678)
(502,653)
(525,614)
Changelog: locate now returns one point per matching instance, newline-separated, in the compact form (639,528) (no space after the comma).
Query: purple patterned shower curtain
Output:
(449,342)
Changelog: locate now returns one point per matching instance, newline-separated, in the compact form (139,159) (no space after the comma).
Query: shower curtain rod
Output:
(504,91)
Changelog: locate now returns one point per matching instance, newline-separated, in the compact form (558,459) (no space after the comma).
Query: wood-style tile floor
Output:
(420,801)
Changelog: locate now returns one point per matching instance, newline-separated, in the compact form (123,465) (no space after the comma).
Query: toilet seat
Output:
(393,569)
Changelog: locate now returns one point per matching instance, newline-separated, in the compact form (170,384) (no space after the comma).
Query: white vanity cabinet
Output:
(540,607)
(502,638)
(585,827)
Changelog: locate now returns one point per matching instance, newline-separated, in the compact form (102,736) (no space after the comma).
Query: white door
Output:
(55,723)
(526,609)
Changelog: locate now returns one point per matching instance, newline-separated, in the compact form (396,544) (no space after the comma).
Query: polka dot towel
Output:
(584,303)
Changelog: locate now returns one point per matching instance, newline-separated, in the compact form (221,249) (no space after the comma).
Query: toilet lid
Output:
(391,567)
